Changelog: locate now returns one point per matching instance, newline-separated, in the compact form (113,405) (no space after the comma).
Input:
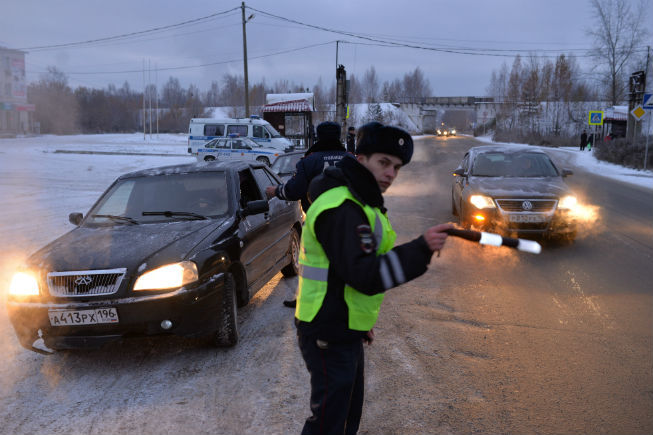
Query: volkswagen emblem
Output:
(527,205)
(83,280)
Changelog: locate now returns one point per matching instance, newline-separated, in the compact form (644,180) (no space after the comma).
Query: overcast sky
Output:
(471,26)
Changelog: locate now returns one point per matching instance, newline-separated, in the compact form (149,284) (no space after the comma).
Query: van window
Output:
(260,132)
(214,130)
(240,130)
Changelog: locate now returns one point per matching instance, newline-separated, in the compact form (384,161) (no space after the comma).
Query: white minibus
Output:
(203,130)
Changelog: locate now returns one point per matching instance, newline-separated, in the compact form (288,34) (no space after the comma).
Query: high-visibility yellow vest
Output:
(314,264)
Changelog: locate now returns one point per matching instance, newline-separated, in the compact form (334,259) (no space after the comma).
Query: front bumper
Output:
(558,223)
(192,312)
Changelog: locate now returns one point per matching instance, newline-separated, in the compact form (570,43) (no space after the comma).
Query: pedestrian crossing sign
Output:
(596,117)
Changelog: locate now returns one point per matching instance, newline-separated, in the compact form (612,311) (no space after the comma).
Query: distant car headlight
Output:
(438,132)
(453,131)
(24,284)
(481,201)
(567,202)
(168,276)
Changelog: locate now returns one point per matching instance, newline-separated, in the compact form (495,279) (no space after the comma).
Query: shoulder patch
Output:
(367,242)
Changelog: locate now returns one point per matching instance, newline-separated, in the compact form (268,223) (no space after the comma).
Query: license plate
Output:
(528,218)
(83,317)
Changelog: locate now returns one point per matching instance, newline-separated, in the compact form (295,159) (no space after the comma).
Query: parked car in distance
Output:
(515,190)
(284,165)
(236,148)
(171,250)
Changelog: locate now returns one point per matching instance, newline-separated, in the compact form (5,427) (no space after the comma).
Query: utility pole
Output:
(245,61)
(341,99)
(144,88)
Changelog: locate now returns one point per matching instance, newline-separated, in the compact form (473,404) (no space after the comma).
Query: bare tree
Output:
(370,86)
(618,33)
(391,91)
(56,105)
(415,85)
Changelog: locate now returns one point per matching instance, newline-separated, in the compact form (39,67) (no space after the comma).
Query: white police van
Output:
(203,130)
(236,148)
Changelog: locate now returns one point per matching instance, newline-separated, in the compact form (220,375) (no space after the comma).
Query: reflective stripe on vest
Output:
(314,264)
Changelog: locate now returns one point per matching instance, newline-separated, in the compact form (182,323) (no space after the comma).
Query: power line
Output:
(202,65)
(453,50)
(127,35)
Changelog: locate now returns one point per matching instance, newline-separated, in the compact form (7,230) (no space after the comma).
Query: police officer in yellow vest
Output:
(347,261)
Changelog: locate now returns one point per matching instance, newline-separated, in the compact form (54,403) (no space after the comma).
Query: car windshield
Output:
(285,164)
(498,164)
(163,198)
(272,131)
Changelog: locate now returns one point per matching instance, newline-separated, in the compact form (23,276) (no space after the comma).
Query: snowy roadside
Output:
(587,161)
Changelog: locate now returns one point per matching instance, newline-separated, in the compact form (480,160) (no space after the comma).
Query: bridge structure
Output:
(427,113)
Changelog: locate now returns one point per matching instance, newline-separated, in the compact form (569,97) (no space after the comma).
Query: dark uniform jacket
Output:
(322,154)
(344,234)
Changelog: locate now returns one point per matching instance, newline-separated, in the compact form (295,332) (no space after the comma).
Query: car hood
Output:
(519,187)
(126,246)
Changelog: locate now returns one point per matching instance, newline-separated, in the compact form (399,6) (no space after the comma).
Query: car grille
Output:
(538,205)
(85,283)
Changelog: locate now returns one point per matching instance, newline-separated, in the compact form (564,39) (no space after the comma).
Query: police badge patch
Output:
(368,244)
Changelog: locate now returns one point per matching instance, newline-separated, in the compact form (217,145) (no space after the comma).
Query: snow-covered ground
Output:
(585,159)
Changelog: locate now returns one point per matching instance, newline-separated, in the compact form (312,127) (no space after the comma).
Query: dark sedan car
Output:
(284,165)
(514,190)
(172,250)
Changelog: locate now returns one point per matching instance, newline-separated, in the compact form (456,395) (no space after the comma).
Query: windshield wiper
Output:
(168,213)
(114,217)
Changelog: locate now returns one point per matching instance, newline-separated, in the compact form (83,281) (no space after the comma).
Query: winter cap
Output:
(378,138)
(328,131)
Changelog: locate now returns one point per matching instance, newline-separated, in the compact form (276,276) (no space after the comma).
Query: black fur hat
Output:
(379,138)
(328,131)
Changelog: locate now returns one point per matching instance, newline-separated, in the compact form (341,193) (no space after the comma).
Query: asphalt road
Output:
(559,342)
(489,340)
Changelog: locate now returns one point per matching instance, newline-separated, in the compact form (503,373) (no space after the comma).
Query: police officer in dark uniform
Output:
(347,261)
(351,140)
(326,151)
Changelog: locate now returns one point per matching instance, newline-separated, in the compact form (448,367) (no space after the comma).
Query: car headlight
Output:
(168,276)
(24,284)
(481,201)
(567,202)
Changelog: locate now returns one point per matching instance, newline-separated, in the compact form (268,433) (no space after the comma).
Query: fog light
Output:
(166,324)
(479,217)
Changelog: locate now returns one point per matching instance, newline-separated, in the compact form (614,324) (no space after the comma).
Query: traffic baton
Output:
(496,240)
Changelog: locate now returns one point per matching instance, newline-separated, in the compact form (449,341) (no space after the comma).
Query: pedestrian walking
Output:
(347,262)
(583,140)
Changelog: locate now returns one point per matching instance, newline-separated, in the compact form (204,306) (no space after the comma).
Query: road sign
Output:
(638,112)
(596,117)
(647,103)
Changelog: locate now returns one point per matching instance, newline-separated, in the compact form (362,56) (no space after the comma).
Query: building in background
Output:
(16,116)
(292,115)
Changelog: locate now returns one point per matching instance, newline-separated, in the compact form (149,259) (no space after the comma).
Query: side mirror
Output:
(75,218)
(567,172)
(256,207)
(460,172)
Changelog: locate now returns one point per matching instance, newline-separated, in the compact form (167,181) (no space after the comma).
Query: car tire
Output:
(227,333)
(463,218)
(292,269)
(264,160)
(209,159)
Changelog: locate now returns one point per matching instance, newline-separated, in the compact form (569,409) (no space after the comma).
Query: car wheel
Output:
(227,333)
(209,158)
(293,251)
(263,160)
(463,218)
